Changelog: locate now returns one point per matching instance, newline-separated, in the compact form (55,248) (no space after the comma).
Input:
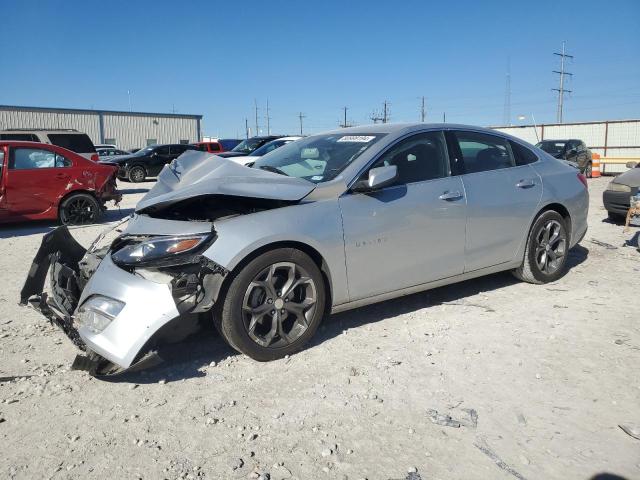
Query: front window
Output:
(552,148)
(249,145)
(76,142)
(31,158)
(317,159)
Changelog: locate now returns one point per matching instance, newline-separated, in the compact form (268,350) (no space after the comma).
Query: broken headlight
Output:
(98,312)
(157,249)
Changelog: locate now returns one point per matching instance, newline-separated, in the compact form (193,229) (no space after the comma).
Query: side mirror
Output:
(379,177)
(631,164)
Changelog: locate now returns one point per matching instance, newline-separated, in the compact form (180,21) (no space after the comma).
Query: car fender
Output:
(316,224)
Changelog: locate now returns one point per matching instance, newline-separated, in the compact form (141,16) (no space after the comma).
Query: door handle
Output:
(525,184)
(450,196)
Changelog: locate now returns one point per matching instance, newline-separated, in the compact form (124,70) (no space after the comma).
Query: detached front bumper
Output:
(77,277)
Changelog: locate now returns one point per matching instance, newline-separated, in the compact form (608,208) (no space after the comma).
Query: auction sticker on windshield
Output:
(356,138)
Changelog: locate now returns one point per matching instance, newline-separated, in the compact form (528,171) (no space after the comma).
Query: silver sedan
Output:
(324,224)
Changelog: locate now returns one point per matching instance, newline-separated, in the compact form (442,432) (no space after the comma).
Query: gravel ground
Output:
(489,378)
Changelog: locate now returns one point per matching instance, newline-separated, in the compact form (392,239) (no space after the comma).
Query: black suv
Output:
(146,162)
(574,151)
(248,146)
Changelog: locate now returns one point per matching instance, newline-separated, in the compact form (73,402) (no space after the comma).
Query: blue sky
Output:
(215,57)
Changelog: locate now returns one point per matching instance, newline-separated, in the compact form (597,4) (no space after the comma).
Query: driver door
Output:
(159,159)
(411,232)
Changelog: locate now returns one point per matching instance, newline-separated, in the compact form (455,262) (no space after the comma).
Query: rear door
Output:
(502,198)
(35,179)
(411,232)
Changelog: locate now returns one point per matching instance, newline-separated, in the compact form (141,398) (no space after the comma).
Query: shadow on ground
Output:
(186,359)
(33,227)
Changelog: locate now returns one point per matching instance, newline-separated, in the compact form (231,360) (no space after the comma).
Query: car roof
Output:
(46,146)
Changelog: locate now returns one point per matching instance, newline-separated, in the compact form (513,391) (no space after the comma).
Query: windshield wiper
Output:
(269,168)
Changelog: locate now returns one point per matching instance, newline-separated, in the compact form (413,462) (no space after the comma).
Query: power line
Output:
(300,117)
(506,118)
(561,90)
(255,104)
(268,119)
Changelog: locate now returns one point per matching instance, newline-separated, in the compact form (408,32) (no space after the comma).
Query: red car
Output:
(39,181)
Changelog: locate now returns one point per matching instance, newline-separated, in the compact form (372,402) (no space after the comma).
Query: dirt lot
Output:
(539,378)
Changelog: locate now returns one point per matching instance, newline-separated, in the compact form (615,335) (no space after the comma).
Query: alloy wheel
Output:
(279,304)
(79,211)
(551,243)
(137,175)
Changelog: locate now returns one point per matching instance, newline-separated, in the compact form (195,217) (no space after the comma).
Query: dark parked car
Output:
(110,152)
(146,162)
(574,151)
(248,146)
(617,196)
(40,181)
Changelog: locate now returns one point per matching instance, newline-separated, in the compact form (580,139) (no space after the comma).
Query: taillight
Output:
(95,157)
(583,179)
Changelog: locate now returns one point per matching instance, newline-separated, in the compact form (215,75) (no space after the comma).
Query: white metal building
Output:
(124,129)
(612,138)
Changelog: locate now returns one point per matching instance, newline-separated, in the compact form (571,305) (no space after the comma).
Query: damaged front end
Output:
(114,297)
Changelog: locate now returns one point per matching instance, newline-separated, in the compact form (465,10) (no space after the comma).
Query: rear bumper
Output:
(617,202)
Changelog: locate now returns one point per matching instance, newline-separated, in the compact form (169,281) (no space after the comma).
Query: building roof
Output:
(98,111)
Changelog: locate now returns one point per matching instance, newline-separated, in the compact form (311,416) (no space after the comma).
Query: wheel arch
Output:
(557,207)
(76,192)
(315,255)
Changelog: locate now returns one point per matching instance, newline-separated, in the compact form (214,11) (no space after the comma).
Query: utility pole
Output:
(129,96)
(268,119)
(506,117)
(561,90)
(301,116)
(385,114)
(423,112)
(444,117)
(246,127)
(255,105)
(344,124)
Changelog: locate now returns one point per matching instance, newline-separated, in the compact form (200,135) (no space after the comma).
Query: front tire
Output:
(545,256)
(79,209)
(273,305)
(137,174)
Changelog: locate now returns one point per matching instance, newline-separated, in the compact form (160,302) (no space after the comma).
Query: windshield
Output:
(248,145)
(143,151)
(267,147)
(553,148)
(317,159)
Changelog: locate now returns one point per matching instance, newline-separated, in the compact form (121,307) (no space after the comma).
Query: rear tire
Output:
(545,255)
(273,305)
(137,174)
(79,209)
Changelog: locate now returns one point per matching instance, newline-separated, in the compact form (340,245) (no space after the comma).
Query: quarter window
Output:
(30,158)
(522,155)
(482,152)
(418,158)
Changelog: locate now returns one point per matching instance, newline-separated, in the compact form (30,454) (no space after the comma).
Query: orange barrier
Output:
(595,165)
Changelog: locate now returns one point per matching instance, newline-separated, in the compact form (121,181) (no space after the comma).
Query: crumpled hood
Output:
(197,173)
(630,178)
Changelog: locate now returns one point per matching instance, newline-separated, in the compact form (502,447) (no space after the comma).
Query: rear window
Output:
(22,137)
(522,155)
(76,142)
